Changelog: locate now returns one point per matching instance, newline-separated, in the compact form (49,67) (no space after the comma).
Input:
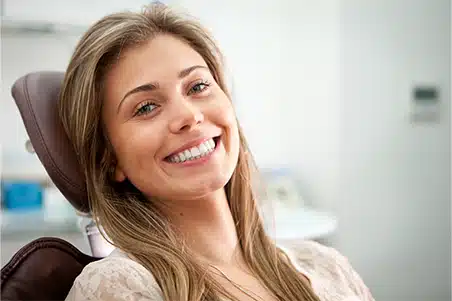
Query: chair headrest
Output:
(36,95)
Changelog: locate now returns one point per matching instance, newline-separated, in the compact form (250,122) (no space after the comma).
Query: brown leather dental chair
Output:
(45,268)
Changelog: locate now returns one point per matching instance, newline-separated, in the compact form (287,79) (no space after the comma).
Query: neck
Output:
(208,229)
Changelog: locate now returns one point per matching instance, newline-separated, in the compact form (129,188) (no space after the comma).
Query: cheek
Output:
(136,147)
(223,113)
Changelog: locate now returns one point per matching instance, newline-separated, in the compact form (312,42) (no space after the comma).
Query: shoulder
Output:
(116,277)
(313,255)
(330,272)
(315,259)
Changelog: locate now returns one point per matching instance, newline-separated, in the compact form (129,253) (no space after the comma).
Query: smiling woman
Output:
(171,108)
(168,173)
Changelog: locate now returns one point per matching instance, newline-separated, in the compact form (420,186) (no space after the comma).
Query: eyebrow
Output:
(154,86)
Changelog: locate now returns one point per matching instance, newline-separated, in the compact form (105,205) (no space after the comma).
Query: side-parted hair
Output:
(133,223)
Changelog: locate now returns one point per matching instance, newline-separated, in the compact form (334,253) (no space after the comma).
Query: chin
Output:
(200,189)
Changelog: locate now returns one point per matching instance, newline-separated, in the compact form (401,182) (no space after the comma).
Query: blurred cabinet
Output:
(288,225)
(11,244)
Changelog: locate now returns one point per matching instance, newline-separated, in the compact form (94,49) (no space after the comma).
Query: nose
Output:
(186,117)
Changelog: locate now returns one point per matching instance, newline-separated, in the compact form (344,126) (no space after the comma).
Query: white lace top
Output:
(117,277)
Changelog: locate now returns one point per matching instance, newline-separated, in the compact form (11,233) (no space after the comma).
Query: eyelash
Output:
(204,83)
(142,110)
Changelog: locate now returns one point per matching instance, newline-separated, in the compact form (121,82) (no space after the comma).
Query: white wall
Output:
(348,73)
(395,175)
(81,12)
(310,97)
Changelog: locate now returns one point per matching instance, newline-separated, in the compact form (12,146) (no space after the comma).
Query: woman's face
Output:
(172,128)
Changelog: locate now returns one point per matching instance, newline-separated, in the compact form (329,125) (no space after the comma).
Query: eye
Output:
(145,108)
(199,87)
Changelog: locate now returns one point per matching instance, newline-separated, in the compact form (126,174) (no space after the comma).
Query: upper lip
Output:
(191,144)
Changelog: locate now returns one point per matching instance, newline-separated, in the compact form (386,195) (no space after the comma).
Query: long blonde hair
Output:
(133,223)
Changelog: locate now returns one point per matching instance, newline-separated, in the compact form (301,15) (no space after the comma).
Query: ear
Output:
(119,175)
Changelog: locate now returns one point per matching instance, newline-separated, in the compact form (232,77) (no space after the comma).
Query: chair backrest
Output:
(44,269)
(36,95)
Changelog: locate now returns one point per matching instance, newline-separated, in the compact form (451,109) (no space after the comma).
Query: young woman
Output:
(168,172)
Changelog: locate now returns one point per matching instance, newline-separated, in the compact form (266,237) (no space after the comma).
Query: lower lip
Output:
(200,160)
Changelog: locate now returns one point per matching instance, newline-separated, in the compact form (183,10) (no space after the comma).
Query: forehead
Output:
(158,60)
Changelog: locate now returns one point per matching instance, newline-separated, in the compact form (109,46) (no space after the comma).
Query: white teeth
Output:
(194,153)
(182,157)
(203,149)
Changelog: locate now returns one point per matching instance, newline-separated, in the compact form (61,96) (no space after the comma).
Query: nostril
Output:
(185,127)
(186,119)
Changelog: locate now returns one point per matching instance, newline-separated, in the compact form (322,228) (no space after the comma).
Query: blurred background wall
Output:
(325,88)
(395,168)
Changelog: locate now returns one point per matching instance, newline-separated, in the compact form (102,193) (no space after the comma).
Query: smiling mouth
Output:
(203,149)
